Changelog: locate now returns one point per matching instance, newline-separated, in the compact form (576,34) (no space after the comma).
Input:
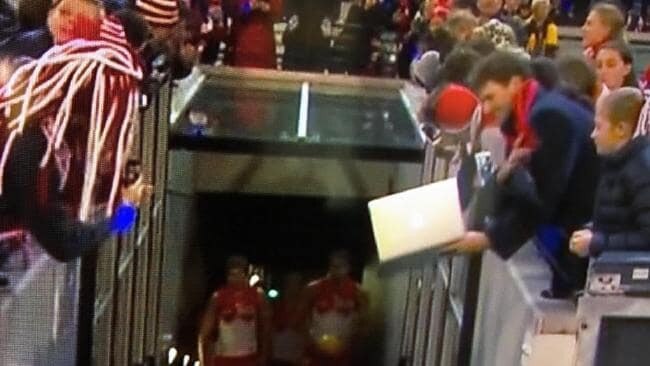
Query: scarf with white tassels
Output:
(53,88)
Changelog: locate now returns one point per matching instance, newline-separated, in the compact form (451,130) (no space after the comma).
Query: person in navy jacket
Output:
(549,180)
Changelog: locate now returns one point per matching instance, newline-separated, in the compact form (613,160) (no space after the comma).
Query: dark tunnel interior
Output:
(279,234)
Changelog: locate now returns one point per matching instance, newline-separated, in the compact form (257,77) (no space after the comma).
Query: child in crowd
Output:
(622,209)
(542,31)
(524,11)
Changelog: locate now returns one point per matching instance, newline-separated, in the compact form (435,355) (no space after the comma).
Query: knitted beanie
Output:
(424,70)
(455,108)
(159,13)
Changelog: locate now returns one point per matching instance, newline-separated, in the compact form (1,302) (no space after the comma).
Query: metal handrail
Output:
(444,320)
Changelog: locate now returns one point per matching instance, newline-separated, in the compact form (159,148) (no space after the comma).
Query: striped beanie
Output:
(159,13)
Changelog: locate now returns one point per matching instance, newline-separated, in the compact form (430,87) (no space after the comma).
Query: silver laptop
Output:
(418,219)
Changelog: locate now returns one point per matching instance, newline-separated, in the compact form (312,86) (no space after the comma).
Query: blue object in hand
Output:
(124,218)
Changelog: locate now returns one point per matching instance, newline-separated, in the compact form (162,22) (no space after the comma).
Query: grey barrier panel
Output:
(424,320)
(122,320)
(411,314)
(103,337)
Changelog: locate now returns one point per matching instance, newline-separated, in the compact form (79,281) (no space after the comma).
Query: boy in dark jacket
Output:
(549,179)
(622,208)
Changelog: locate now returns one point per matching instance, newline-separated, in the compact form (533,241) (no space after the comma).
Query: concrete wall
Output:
(511,311)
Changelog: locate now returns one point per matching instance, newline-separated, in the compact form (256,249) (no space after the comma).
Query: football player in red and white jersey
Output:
(235,327)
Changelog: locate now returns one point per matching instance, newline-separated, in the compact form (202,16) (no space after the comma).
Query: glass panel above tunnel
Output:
(356,118)
(264,112)
(296,114)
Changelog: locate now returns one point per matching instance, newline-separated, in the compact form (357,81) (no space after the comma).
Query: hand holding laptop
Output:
(472,242)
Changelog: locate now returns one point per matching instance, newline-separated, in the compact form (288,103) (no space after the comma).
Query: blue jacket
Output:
(622,209)
(563,174)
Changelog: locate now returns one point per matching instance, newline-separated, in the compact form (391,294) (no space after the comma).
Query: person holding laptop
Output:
(549,178)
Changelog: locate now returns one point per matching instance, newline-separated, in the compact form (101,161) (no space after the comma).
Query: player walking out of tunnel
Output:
(334,310)
(235,326)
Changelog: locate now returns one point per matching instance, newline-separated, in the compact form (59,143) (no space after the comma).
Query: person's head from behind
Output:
(614,65)
(616,119)
(545,72)
(489,8)
(460,24)
(459,65)
(540,10)
(498,78)
(481,44)
(162,16)
(438,39)
(72,19)
(237,271)
(605,22)
(339,264)
(578,76)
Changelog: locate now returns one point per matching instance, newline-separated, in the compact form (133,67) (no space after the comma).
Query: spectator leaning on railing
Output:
(548,181)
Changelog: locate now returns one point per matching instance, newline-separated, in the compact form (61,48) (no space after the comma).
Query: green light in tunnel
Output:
(273,293)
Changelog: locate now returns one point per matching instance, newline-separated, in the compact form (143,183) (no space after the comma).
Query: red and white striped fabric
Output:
(96,82)
(159,13)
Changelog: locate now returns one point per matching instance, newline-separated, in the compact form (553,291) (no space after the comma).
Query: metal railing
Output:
(442,292)
(120,284)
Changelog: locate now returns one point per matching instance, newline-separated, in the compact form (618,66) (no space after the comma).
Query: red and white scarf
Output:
(522,106)
(46,91)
